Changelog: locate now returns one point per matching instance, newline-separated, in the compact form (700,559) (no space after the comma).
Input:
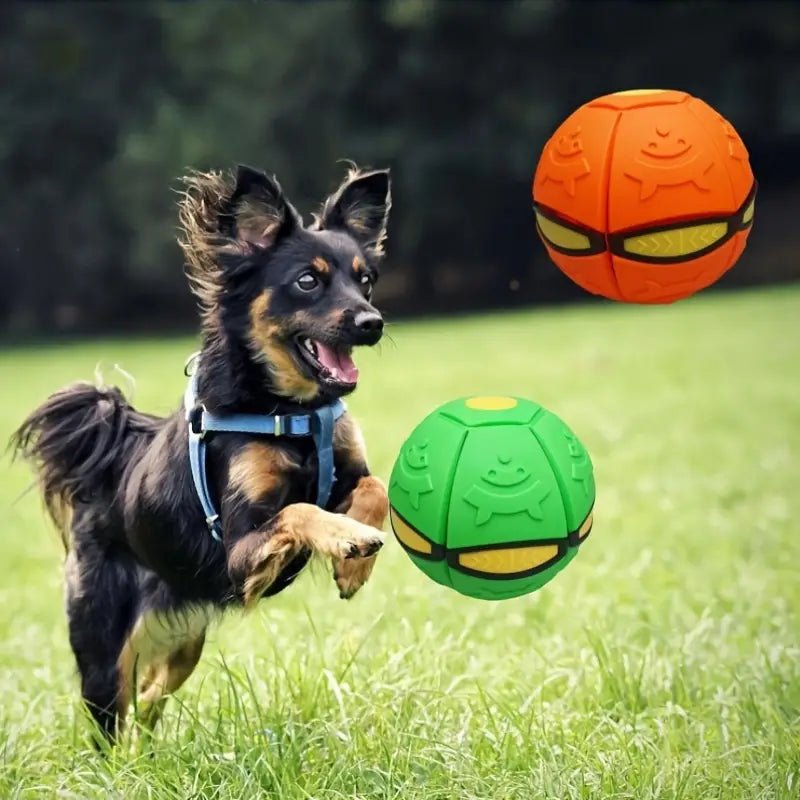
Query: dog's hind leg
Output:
(101,592)
(162,648)
(162,679)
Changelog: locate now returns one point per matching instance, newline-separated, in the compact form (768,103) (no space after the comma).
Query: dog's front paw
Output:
(349,539)
(353,565)
(365,546)
(351,574)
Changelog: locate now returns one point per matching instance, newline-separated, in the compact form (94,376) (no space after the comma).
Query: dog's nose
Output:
(368,322)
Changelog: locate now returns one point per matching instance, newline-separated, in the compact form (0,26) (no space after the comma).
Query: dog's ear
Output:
(258,213)
(360,206)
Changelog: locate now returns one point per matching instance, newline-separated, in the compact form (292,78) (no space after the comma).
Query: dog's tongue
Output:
(338,362)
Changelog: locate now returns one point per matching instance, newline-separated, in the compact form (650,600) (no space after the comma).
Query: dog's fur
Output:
(143,575)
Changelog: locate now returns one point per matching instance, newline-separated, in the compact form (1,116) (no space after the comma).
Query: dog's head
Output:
(298,298)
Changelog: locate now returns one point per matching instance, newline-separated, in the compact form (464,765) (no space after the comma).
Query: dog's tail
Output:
(79,441)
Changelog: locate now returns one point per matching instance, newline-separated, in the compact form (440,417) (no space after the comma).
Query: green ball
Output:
(492,496)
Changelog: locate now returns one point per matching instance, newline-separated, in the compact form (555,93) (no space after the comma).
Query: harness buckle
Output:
(195,419)
(278,424)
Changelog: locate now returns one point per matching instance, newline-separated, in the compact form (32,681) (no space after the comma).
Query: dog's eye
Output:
(366,285)
(307,281)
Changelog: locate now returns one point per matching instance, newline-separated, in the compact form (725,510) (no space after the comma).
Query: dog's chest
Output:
(263,472)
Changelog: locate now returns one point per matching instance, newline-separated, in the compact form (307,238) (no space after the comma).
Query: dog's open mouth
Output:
(332,365)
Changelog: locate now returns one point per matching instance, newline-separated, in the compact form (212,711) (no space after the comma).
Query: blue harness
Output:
(317,423)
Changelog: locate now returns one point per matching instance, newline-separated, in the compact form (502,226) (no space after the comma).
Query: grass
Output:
(664,662)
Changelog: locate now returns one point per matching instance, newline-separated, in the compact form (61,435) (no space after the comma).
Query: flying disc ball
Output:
(644,196)
(492,496)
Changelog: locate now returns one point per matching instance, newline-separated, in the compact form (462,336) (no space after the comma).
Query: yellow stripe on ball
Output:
(748,214)
(561,236)
(640,91)
(584,529)
(407,535)
(677,242)
(508,560)
(490,403)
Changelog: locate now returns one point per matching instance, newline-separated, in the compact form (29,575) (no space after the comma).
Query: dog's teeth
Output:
(309,345)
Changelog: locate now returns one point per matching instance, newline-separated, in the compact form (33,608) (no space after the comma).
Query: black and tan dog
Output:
(283,305)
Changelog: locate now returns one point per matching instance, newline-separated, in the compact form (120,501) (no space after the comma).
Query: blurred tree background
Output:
(104,105)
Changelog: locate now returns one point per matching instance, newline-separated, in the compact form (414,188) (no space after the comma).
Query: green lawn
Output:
(664,662)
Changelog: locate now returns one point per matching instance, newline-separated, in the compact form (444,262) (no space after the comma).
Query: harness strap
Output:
(318,424)
(197,461)
(322,433)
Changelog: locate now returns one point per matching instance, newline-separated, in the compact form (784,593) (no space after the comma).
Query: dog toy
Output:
(491,496)
(644,196)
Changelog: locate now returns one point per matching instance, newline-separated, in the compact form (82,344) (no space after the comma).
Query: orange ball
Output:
(644,196)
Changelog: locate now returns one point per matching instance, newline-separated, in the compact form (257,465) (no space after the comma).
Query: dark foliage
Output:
(102,106)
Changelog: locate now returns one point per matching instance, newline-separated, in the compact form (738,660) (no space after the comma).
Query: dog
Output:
(282,306)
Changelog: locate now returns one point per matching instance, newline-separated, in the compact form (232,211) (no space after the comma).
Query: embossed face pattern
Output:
(666,145)
(505,473)
(413,473)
